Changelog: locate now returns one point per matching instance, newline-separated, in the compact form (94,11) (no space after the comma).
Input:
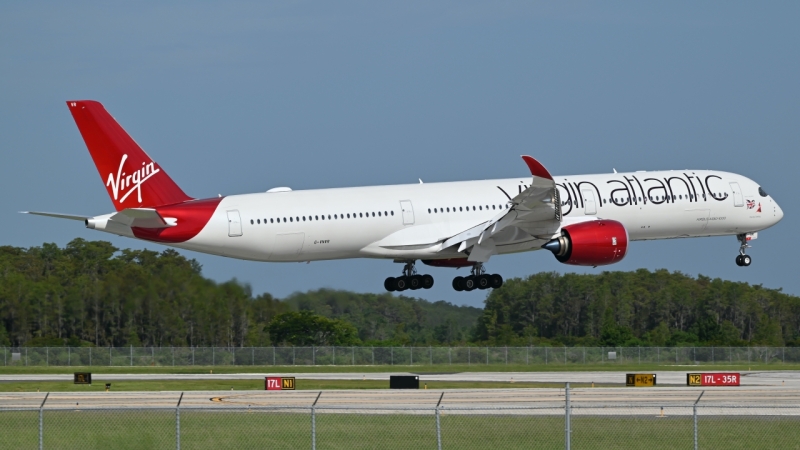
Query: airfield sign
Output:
(713,379)
(279,383)
(640,379)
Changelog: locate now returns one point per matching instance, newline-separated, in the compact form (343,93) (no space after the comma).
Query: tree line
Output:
(90,293)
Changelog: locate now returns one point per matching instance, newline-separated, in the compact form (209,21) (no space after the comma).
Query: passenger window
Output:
(251,221)
(373,214)
(361,215)
(348,216)
(392,212)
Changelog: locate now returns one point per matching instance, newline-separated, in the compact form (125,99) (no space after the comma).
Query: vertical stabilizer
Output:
(132,179)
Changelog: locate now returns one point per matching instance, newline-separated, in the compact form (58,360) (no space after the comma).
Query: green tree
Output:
(305,329)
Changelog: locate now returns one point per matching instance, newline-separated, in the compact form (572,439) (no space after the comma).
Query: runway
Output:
(665,378)
(594,401)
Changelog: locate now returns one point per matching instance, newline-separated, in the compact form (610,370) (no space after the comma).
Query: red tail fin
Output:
(132,178)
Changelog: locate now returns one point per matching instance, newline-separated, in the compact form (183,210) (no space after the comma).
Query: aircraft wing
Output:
(535,207)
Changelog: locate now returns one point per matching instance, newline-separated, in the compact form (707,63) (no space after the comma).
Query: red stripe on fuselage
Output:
(192,218)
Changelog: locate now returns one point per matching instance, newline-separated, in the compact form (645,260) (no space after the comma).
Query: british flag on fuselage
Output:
(751,204)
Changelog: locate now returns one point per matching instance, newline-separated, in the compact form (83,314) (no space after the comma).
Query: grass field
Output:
(213,430)
(421,368)
(238,385)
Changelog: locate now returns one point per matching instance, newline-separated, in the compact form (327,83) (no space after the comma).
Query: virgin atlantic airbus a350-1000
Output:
(586,220)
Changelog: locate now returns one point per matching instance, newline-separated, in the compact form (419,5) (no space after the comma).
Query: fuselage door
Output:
(408,212)
(590,207)
(738,199)
(234,223)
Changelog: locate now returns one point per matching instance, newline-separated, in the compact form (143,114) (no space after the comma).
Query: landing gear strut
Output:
(478,279)
(743,259)
(409,280)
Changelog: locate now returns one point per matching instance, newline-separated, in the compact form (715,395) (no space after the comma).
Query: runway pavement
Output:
(675,378)
(594,401)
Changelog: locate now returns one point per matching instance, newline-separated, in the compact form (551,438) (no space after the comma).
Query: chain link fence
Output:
(569,426)
(307,356)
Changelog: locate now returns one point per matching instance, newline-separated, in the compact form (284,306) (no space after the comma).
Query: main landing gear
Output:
(477,280)
(409,280)
(743,260)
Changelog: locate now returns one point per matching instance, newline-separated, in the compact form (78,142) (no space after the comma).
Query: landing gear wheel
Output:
(746,260)
(427,282)
(415,282)
(496,281)
(458,283)
(470,283)
(390,284)
(739,260)
(483,281)
(401,283)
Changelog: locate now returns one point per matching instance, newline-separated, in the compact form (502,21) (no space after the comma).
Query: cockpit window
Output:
(762,192)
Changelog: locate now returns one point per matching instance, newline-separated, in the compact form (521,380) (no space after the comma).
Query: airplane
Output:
(584,220)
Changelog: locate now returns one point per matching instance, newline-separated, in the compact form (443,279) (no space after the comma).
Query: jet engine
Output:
(593,243)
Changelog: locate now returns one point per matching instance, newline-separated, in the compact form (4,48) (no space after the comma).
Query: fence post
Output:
(314,422)
(430,353)
(438,424)
(47,355)
(178,423)
(353,349)
(567,413)
(192,355)
(213,356)
(373,355)
(487,356)
(131,355)
(69,356)
(273,354)
(41,422)
(694,417)
(412,355)
(313,355)
(392,355)
(90,357)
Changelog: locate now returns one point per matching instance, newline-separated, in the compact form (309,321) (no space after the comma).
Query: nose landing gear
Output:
(477,279)
(743,259)
(409,280)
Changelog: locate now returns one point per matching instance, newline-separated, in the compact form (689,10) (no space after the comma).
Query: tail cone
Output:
(554,246)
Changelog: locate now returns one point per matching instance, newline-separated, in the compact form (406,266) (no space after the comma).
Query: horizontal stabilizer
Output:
(142,218)
(57,215)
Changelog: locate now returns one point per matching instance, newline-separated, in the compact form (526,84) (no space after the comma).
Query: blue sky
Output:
(239,97)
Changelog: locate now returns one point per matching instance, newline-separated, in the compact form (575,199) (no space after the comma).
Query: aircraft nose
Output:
(778,213)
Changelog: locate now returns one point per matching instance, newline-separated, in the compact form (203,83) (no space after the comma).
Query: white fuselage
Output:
(409,222)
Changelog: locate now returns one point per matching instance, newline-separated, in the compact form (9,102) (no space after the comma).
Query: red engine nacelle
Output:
(594,243)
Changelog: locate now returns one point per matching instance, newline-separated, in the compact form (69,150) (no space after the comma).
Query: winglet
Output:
(537,169)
